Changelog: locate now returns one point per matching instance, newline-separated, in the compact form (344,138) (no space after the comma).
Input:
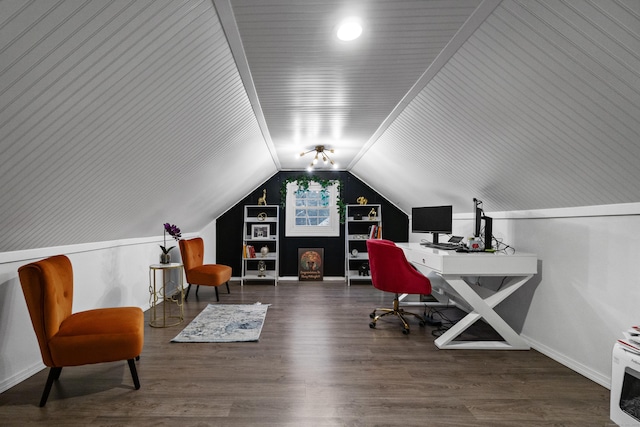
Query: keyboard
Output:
(444,246)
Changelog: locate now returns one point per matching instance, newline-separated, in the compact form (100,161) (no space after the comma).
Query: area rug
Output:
(225,323)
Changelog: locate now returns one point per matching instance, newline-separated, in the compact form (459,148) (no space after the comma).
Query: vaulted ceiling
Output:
(117,116)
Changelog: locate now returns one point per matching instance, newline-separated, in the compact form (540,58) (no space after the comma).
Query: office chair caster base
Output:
(405,331)
(372,325)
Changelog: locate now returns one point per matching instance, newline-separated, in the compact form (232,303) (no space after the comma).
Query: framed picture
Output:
(310,264)
(259,231)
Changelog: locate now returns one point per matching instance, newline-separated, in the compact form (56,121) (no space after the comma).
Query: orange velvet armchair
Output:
(198,273)
(391,272)
(66,339)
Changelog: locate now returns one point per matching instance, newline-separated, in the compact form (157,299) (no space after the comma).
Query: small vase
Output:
(165,258)
(264,251)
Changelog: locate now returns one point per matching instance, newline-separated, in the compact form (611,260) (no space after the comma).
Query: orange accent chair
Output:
(192,252)
(391,272)
(87,337)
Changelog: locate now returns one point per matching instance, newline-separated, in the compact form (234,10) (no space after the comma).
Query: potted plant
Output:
(173,231)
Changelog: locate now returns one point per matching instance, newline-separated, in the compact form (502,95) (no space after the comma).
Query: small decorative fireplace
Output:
(625,387)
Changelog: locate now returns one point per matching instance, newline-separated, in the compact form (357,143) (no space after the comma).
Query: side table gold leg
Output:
(159,295)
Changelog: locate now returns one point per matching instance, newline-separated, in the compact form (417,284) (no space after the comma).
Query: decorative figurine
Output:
(262,267)
(264,251)
(372,214)
(263,200)
(364,269)
(361,200)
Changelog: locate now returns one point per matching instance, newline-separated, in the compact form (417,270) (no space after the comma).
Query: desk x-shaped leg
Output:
(483,308)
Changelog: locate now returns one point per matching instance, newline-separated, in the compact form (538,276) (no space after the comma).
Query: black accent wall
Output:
(395,225)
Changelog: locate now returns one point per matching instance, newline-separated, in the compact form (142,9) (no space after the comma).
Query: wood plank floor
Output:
(317,364)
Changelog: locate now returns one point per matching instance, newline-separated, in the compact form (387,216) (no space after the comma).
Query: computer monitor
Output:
(479,216)
(432,219)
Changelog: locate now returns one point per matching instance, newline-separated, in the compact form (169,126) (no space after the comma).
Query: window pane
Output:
(312,211)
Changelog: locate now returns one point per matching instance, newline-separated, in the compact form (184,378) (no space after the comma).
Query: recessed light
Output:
(349,29)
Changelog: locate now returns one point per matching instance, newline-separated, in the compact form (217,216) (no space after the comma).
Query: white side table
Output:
(165,317)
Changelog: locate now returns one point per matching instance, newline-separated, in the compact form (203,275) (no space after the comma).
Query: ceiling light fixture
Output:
(349,29)
(321,154)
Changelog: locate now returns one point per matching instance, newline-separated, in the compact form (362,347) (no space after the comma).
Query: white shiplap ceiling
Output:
(117,116)
(540,108)
(315,89)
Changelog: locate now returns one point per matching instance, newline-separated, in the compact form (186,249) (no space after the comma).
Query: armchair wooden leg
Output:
(197,289)
(186,295)
(228,291)
(54,374)
(134,373)
(217,296)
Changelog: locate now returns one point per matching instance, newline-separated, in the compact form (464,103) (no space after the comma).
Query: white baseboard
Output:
(325,279)
(21,376)
(597,377)
(295,279)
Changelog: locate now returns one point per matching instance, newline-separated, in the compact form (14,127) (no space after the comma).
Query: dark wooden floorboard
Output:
(317,364)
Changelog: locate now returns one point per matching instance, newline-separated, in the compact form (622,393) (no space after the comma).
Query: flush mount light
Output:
(349,29)
(321,154)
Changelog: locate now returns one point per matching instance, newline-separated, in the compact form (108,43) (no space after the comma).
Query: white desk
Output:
(453,266)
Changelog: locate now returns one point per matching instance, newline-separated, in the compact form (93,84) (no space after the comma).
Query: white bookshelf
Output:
(358,227)
(260,228)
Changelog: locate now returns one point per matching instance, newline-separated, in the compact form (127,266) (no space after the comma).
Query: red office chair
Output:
(391,272)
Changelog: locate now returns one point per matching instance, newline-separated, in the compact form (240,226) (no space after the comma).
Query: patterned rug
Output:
(225,323)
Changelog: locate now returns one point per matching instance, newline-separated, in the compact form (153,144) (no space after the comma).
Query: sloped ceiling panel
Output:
(116,117)
(539,109)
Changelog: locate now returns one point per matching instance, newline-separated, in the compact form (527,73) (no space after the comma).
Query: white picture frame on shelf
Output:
(260,231)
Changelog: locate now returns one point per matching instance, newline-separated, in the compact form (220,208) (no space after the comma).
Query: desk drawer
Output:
(423,258)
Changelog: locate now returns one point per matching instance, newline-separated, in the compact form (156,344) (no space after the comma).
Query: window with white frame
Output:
(312,212)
